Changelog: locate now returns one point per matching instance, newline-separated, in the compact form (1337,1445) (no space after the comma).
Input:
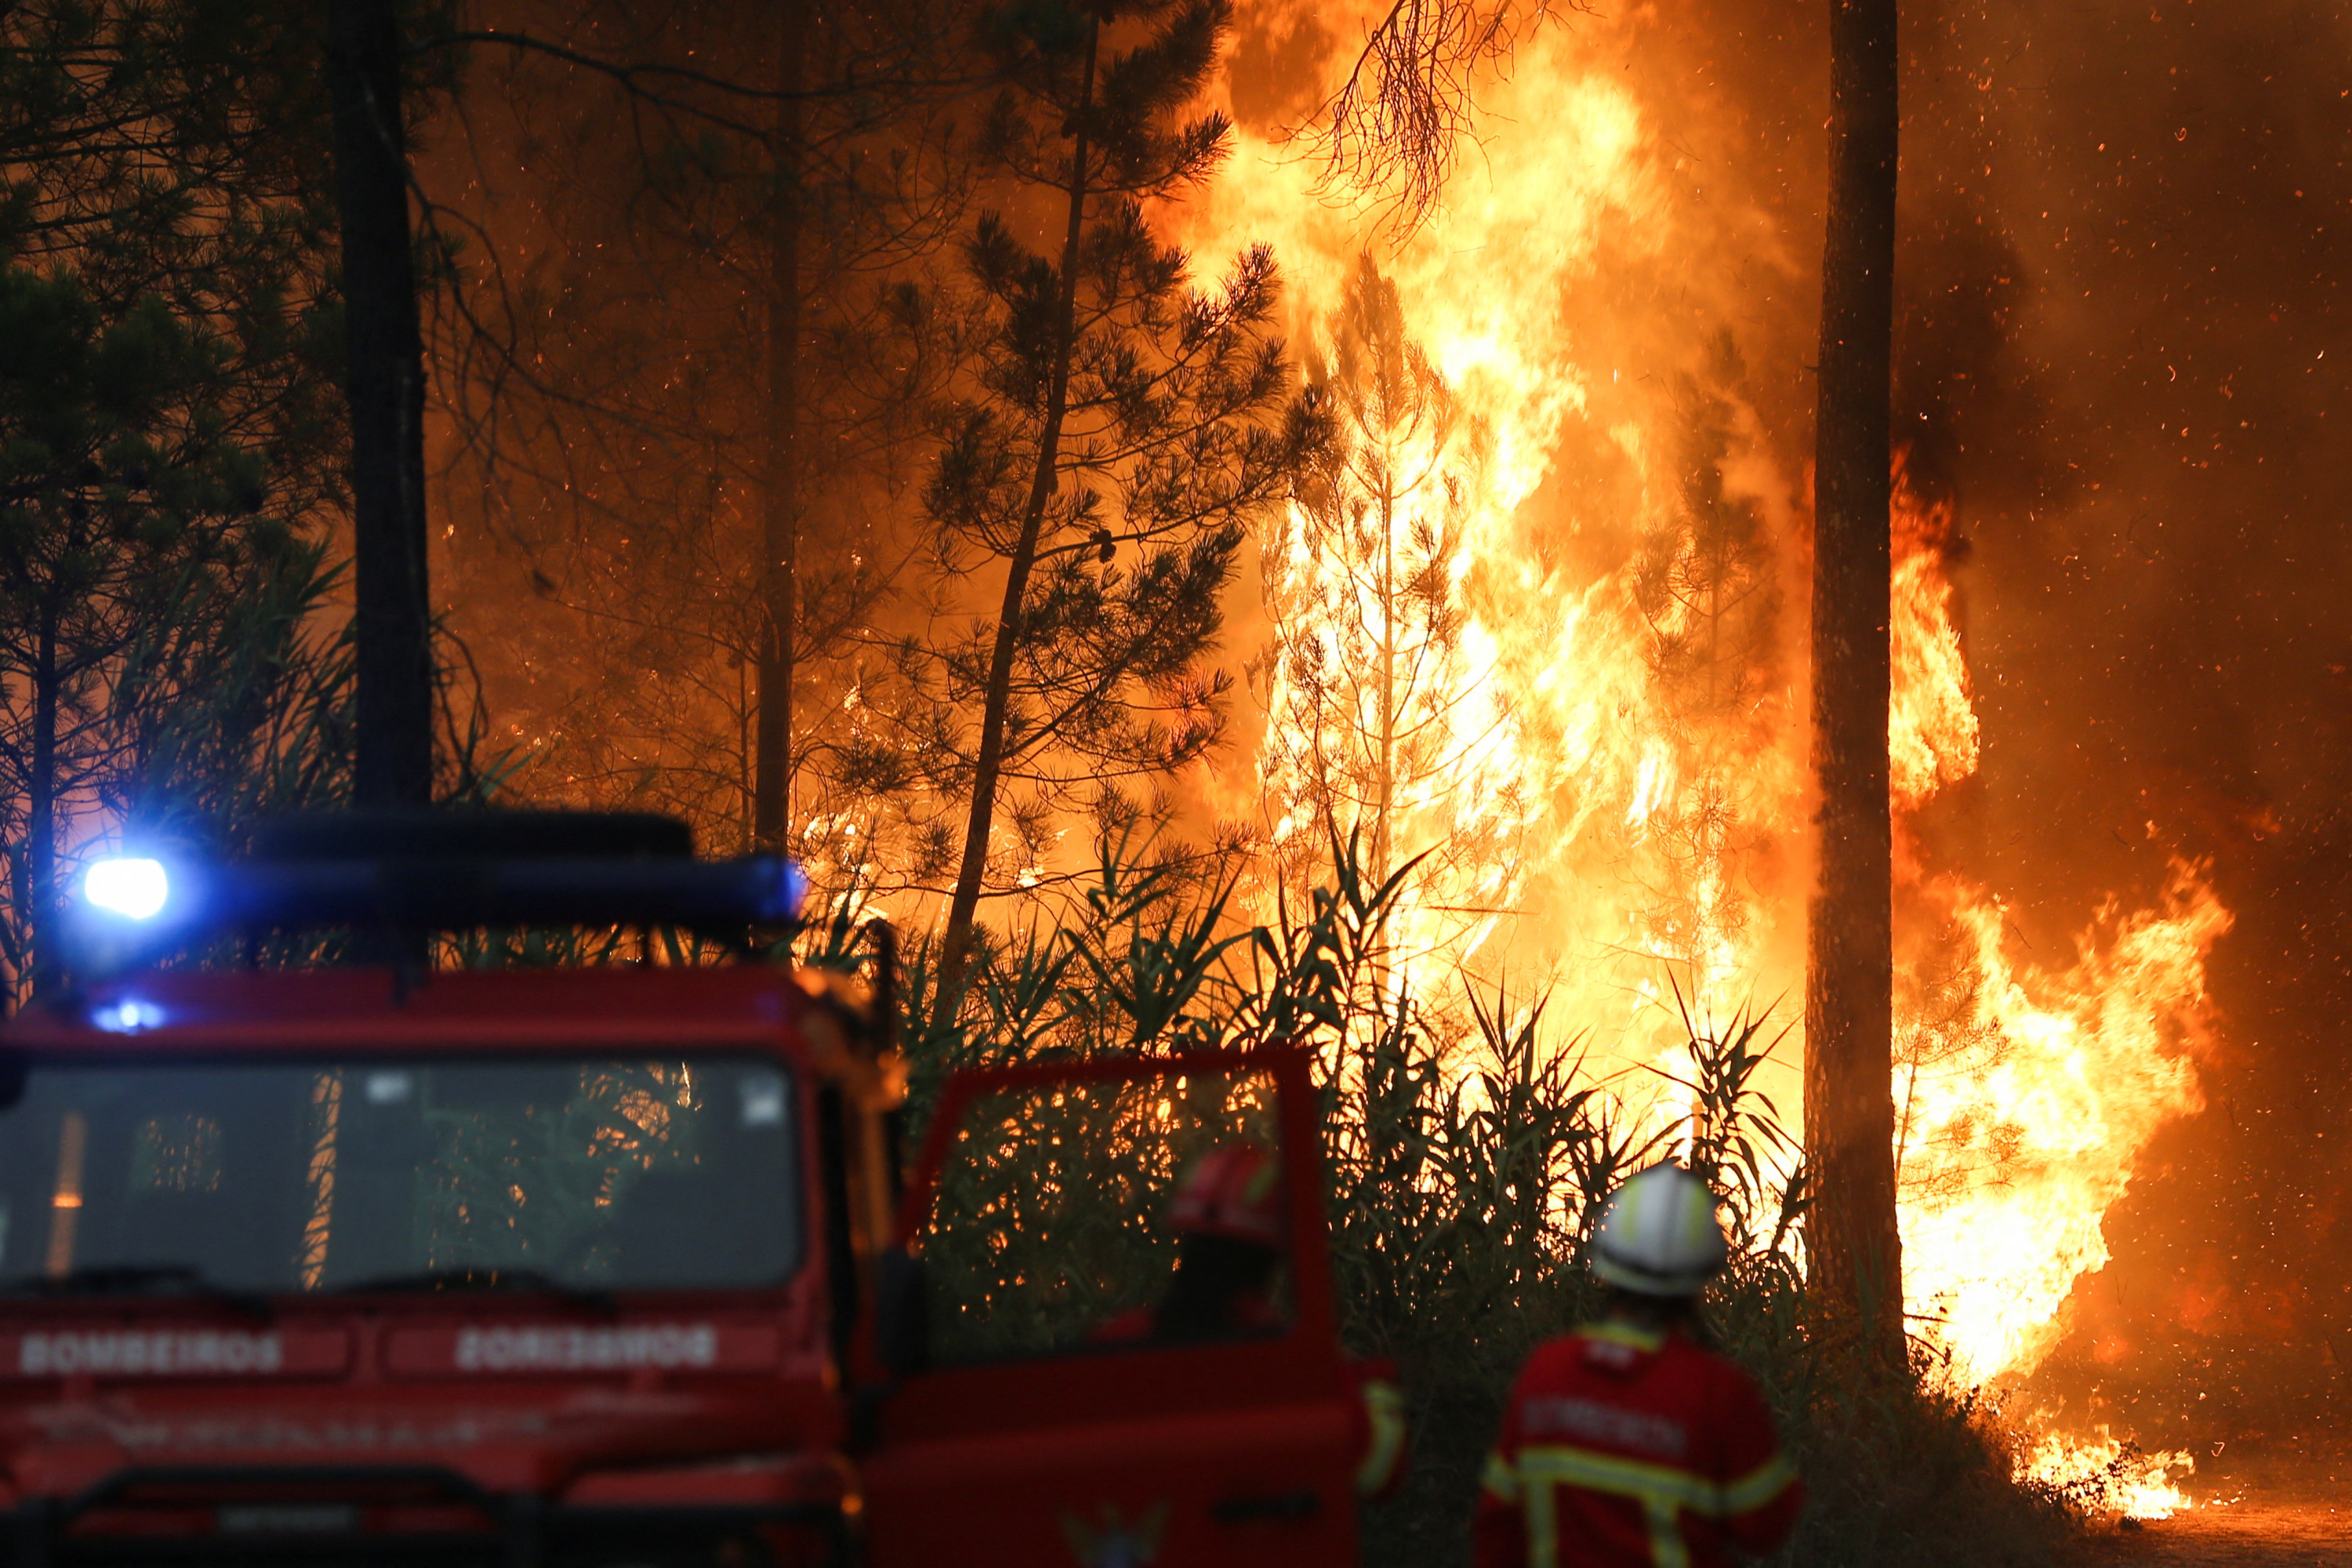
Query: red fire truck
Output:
(610,1264)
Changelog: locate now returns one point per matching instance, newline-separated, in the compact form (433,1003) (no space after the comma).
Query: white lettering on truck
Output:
(164,1353)
(586,1350)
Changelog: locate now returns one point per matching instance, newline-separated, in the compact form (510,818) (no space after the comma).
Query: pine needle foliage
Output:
(168,414)
(1118,431)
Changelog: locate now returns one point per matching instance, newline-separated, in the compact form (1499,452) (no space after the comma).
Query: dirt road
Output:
(2246,1535)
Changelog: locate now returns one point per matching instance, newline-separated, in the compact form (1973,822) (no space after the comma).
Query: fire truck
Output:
(612,1264)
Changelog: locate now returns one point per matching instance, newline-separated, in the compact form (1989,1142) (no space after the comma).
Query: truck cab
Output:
(614,1265)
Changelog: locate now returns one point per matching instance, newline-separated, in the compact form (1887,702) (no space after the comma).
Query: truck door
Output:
(1080,1379)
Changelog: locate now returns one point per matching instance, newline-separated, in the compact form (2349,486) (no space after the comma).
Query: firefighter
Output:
(1628,1442)
(1230,1239)
(1233,1238)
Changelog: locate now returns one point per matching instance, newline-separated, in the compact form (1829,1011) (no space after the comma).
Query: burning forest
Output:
(1283,521)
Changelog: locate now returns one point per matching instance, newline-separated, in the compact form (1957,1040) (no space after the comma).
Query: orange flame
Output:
(2101,1474)
(2023,1103)
(1627,831)
(1931,720)
(2023,1095)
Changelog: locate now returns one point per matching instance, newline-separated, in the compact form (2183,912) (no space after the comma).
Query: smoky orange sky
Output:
(2123,348)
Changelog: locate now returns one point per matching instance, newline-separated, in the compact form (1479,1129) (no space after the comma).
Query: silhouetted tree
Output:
(1852,1239)
(1707,580)
(1121,431)
(1371,704)
(689,369)
(385,361)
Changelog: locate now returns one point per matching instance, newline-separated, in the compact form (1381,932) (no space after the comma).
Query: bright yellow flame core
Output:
(2102,1475)
(2019,1141)
(1579,293)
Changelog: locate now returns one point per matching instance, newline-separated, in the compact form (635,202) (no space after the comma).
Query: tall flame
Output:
(1931,723)
(1623,745)
(2024,1094)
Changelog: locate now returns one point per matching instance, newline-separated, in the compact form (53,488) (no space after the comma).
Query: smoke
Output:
(2123,335)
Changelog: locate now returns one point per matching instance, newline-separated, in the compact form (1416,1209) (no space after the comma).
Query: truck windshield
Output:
(591,1172)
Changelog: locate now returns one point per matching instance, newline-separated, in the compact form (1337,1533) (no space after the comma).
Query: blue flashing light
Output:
(130,885)
(785,906)
(127,1017)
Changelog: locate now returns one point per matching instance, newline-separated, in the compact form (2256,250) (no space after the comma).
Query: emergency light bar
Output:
(418,871)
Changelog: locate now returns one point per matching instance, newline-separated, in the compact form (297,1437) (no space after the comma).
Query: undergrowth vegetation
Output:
(1467,1156)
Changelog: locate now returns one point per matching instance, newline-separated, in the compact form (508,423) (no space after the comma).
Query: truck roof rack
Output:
(417,871)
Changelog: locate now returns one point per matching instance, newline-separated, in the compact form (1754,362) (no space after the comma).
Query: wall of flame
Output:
(1611,257)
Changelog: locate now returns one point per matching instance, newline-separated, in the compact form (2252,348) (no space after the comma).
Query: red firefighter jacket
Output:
(1622,1447)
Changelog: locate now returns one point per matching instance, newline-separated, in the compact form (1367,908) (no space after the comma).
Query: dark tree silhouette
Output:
(1123,430)
(168,430)
(394,622)
(772,753)
(688,356)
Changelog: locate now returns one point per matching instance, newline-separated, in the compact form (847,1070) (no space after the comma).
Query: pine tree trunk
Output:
(1856,1247)
(41,912)
(772,764)
(1383,840)
(385,379)
(988,768)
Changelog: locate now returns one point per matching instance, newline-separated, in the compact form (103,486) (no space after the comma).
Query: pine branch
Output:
(1393,134)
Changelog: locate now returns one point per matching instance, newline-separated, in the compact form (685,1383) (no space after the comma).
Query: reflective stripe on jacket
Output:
(1623,1447)
(1381,1471)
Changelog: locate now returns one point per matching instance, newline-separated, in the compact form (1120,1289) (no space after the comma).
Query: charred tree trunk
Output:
(772,762)
(988,768)
(385,379)
(1856,1249)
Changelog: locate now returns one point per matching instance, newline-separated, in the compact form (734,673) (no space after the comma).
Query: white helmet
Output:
(1659,1234)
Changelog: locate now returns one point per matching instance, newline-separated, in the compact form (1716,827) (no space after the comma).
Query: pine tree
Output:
(1708,582)
(167,435)
(1121,431)
(1371,706)
(1706,579)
